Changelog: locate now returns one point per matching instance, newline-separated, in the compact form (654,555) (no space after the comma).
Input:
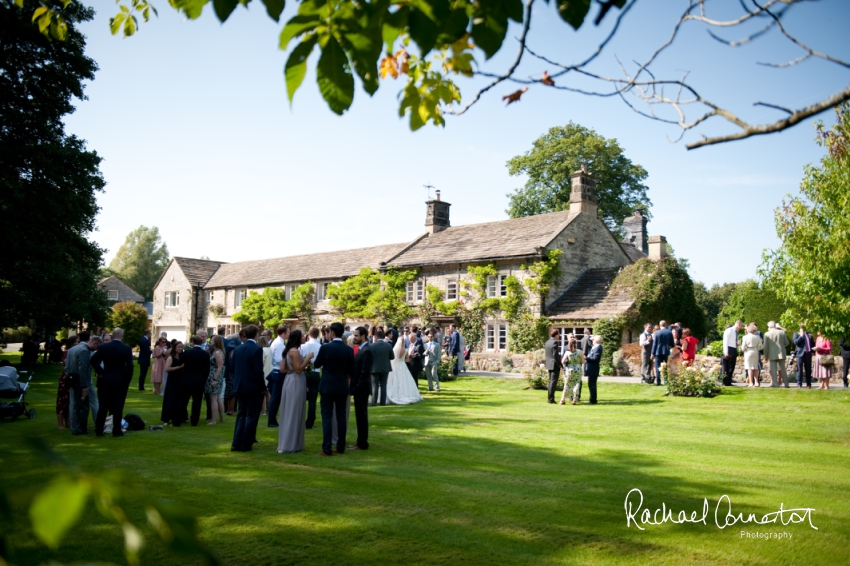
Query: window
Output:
(172,299)
(241,295)
(451,289)
(564,336)
(210,295)
(415,291)
(496,286)
(322,291)
(496,337)
(112,294)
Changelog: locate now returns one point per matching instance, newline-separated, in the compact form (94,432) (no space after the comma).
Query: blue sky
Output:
(198,138)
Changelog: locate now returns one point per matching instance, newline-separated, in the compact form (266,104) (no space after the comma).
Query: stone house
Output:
(118,292)
(195,294)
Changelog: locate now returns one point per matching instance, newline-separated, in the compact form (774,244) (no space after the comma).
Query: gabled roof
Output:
(505,239)
(197,271)
(631,251)
(310,267)
(590,298)
(125,292)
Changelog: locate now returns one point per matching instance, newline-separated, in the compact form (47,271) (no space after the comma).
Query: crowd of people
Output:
(248,374)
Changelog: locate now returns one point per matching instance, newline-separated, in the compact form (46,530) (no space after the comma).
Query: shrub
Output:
(631,352)
(605,369)
(507,363)
(538,357)
(690,381)
(526,333)
(612,337)
(19,334)
(130,317)
(714,349)
(444,369)
(538,378)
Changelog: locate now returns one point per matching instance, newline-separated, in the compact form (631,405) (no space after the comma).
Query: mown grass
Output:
(483,473)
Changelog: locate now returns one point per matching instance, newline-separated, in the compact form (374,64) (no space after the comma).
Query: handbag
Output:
(826,360)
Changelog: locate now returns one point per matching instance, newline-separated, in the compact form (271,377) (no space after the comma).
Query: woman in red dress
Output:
(689,347)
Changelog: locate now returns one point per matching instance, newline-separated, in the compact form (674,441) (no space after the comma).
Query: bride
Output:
(401,388)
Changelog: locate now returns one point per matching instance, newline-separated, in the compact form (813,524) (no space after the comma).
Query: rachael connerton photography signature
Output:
(723,515)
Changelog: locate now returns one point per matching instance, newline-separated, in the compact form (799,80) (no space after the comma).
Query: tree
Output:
(371,295)
(141,259)
(48,180)
(562,151)
(452,39)
(750,301)
(712,301)
(130,317)
(811,269)
(271,307)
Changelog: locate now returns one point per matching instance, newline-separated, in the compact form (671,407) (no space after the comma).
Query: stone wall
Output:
(179,316)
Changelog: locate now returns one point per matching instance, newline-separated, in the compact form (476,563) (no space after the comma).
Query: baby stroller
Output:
(10,388)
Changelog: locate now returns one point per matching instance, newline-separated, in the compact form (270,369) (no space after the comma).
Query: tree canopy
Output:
(372,295)
(562,151)
(49,179)
(712,301)
(750,301)
(810,270)
(141,259)
(271,307)
(132,318)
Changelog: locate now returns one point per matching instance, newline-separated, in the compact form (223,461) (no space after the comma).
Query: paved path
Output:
(617,379)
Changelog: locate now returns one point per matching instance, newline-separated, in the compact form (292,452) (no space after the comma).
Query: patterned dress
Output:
(210,389)
(573,381)
(63,395)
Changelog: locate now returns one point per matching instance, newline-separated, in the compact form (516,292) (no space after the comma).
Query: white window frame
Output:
(409,291)
(579,331)
(210,296)
(496,337)
(112,294)
(322,291)
(420,291)
(451,289)
(495,282)
(172,299)
(239,296)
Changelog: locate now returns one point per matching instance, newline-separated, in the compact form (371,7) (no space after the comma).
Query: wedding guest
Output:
(775,347)
(360,387)
(267,334)
(346,334)
(196,371)
(591,366)
(292,423)
(572,361)
(248,385)
(645,343)
(689,347)
(144,358)
(215,381)
(392,334)
(202,334)
(662,345)
(159,358)
(553,362)
(278,374)
(406,337)
(372,334)
(77,364)
(63,394)
(844,347)
(230,344)
(750,346)
(312,345)
(337,363)
(416,353)
(433,353)
(113,364)
(382,355)
(268,367)
(350,343)
(823,372)
(730,351)
(169,351)
(454,348)
(173,406)
(803,353)
(464,353)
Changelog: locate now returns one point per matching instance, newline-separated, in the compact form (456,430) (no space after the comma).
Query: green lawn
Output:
(483,473)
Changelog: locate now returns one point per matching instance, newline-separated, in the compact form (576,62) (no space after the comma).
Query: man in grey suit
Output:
(433,354)
(553,362)
(775,347)
(382,353)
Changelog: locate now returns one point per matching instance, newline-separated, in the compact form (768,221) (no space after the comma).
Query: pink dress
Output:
(158,364)
(823,346)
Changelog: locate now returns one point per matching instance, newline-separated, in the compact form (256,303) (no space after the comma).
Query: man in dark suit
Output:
(113,380)
(361,386)
(336,359)
(196,370)
(844,348)
(591,367)
(382,353)
(144,358)
(805,344)
(454,347)
(417,355)
(662,345)
(392,332)
(553,362)
(248,386)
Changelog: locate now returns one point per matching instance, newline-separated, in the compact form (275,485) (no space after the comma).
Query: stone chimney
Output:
(583,194)
(437,215)
(634,231)
(657,247)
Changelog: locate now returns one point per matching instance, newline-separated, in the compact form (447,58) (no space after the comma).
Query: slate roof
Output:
(590,298)
(310,267)
(631,251)
(505,239)
(197,271)
(125,292)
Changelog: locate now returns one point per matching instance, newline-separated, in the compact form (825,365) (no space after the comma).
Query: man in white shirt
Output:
(730,351)
(646,353)
(313,344)
(275,380)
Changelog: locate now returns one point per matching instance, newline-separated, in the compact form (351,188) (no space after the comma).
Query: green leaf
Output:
(38,12)
(130,25)
(573,11)
(296,26)
(426,22)
(116,22)
(274,8)
(336,83)
(59,29)
(393,25)
(490,24)
(223,8)
(57,508)
(19,3)
(192,8)
(296,66)
(364,54)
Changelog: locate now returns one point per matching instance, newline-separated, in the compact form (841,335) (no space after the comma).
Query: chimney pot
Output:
(583,193)
(437,193)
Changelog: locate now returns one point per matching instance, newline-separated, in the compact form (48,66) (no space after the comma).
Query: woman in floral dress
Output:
(215,381)
(572,362)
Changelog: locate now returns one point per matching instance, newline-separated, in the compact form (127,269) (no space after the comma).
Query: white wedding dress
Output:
(401,387)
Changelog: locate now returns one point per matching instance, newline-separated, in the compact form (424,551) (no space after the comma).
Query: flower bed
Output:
(692,381)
